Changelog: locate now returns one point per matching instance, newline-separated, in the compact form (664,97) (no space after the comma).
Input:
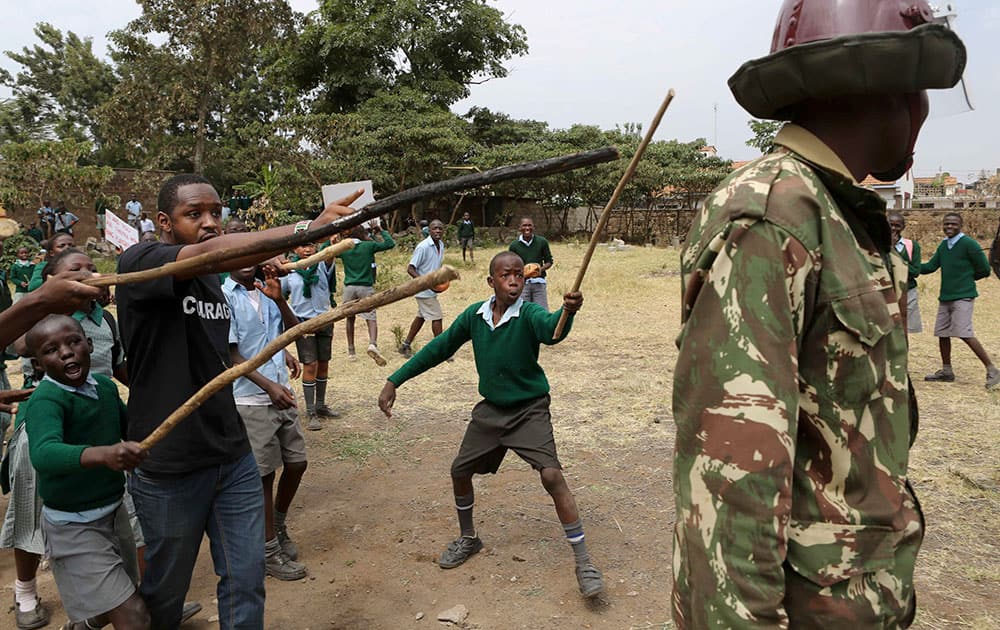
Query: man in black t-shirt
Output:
(202,477)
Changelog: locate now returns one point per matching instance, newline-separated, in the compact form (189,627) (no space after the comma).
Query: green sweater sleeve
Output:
(543,324)
(36,277)
(546,253)
(439,348)
(387,242)
(934,263)
(914,263)
(980,265)
(49,453)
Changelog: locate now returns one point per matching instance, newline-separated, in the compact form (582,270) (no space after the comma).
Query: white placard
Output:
(118,232)
(333,192)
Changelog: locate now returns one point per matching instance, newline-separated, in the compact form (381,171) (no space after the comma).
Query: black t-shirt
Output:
(176,336)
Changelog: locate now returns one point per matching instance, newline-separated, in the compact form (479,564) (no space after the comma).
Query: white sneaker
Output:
(376,355)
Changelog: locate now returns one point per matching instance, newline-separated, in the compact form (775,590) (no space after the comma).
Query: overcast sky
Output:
(605,63)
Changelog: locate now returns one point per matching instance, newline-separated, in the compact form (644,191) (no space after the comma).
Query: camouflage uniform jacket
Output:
(791,399)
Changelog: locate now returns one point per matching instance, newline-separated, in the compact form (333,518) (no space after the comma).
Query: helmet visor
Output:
(954,100)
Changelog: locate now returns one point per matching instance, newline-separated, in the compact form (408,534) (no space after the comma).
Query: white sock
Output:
(26,595)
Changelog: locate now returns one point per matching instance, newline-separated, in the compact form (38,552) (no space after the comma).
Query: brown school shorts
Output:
(525,429)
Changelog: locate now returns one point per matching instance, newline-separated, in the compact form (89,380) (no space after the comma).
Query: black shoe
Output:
(941,376)
(459,551)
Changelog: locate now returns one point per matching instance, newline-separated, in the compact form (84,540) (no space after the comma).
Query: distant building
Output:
(898,195)
(943,185)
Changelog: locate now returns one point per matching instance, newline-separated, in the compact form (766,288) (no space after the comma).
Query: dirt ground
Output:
(375,507)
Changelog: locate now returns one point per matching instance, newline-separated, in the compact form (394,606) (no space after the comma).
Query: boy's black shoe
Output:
(941,376)
(459,551)
(590,580)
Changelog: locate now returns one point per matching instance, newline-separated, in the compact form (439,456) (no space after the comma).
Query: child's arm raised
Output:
(544,324)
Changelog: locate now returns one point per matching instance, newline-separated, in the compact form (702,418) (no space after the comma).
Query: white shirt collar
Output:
(486,311)
(88,388)
(954,239)
(520,237)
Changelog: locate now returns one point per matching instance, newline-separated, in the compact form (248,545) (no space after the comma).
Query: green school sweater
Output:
(19,274)
(36,276)
(539,251)
(60,426)
(466,230)
(506,358)
(358,270)
(960,267)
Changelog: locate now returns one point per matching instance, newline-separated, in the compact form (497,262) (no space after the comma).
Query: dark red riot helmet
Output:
(824,49)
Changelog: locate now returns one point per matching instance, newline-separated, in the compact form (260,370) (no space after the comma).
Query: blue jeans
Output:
(175,511)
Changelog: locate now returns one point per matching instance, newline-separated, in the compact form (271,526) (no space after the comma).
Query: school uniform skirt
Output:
(22,524)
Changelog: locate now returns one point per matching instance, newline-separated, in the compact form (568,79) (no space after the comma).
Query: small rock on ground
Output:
(455,615)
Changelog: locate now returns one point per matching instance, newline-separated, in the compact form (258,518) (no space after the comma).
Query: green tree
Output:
(37,170)
(764,132)
(181,65)
(349,50)
(58,89)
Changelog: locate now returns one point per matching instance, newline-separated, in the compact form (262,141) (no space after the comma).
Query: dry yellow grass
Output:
(611,382)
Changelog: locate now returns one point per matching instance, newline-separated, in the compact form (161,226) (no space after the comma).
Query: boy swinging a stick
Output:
(514,414)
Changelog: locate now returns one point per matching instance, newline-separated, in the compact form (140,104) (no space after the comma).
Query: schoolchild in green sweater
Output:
(514,414)
(962,262)
(21,272)
(359,282)
(467,236)
(533,248)
(76,423)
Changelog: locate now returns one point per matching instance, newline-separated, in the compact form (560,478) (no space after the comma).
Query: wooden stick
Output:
(323,255)
(606,213)
(209,263)
(11,396)
(405,290)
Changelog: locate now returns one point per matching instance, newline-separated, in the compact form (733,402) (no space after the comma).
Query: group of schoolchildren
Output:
(216,473)
(962,262)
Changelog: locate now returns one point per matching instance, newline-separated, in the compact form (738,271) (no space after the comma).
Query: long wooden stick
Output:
(209,263)
(602,222)
(411,287)
(323,255)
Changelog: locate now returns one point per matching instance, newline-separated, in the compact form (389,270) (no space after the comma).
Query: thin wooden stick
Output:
(209,263)
(602,222)
(323,255)
(405,290)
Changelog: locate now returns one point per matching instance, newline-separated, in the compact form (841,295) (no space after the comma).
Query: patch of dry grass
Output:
(611,391)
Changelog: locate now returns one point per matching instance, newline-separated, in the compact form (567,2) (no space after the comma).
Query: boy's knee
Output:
(552,480)
(296,468)
(135,611)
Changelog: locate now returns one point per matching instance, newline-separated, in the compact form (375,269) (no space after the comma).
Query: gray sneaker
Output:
(406,350)
(941,376)
(325,412)
(459,551)
(590,580)
(314,423)
(992,377)
(33,618)
(287,545)
(279,566)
